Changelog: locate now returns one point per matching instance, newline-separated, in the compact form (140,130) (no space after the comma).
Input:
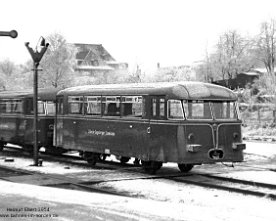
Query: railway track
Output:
(59,181)
(230,184)
(199,179)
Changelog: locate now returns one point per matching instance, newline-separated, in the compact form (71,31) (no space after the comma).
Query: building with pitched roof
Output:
(94,58)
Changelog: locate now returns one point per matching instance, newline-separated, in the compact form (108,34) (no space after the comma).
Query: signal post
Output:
(36,56)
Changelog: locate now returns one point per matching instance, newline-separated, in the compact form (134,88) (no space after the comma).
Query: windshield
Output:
(220,110)
(197,110)
(224,110)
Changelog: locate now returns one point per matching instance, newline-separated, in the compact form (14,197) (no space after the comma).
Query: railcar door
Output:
(161,133)
(58,128)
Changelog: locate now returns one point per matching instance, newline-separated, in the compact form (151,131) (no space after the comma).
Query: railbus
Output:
(188,123)
(17,116)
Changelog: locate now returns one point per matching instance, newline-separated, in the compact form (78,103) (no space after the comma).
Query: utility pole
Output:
(36,56)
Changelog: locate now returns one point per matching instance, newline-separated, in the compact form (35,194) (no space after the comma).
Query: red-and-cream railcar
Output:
(187,123)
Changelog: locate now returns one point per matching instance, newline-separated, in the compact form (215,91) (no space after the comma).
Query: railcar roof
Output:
(174,90)
(43,94)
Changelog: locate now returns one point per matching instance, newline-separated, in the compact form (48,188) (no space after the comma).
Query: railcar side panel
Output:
(110,136)
(11,129)
(162,143)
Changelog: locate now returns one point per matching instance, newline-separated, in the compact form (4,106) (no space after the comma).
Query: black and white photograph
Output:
(141,110)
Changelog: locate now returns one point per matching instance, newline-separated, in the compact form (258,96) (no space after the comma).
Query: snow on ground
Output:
(185,204)
(261,148)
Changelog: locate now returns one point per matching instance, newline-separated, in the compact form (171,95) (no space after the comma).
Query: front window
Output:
(224,110)
(197,109)
(202,110)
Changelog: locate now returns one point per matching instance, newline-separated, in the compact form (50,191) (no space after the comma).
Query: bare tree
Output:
(7,67)
(7,71)
(170,74)
(136,76)
(265,45)
(232,55)
(232,52)
(57,63)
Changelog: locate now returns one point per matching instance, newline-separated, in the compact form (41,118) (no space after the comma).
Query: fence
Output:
(263,114)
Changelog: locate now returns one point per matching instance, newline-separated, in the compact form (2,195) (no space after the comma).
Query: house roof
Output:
(92,52)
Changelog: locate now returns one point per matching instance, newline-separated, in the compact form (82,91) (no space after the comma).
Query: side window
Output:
(132,106)
(41,107)
(50,108)
(75,104)
(158,108)
(29,106)
(154,107)
(93,105)
(60,105)
(162,107)
(111,106)
(175,110)
(11,106)
(3,106)
(8,106)
(17,106)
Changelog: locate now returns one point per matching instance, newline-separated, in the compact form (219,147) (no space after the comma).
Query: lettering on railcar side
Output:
(101,133)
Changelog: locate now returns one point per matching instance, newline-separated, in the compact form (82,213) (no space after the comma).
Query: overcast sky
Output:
(171,32)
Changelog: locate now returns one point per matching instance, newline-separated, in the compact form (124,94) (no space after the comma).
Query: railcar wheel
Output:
(184,168)
(2,145)
(151,166)
(102,157)
(136,162)
(91,158)
(124,160)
